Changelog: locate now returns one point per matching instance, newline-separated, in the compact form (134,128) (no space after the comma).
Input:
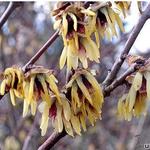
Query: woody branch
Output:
(11,7)
(118,63)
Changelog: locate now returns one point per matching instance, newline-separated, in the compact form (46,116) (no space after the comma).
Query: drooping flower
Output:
(72,21)
(39,83)
(106,21)
(12,83)
(60,115)
(123,6)
(85,96)
(135,102)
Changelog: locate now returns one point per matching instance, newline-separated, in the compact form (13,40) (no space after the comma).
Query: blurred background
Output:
(26,30)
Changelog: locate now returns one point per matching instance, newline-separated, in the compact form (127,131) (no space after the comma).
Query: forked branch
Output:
(118,63)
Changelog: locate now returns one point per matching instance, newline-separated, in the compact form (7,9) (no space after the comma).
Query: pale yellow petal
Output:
(33,107)
(83,122)
(74,94)
(96,85)
(31,89)
(95,49)
(119,22)
(65,24)
(137,81)
(110,24)
(74,18)
(45,88)
(147,77)
(57,24)
(84,62)
(76,124)
(84,90)
(63,58)
(3,86)
(53,86)
(132,98)
(12,97)
(45,116)
(44,127)
(97,38)
(59,117)
(68,127)
(66,109)
(90,115)
(76,40)
(25,107)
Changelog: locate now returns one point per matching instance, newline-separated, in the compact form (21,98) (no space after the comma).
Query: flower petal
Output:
(66,109)
(68,127)
(137,81)
(76,124)
(84,90)
(65,24)
(12,97)
(63,58)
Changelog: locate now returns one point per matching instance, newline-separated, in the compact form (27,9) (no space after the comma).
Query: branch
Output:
(41,51)
(118,63)
(52,140)
(119,80)
(11,7)
(30,134)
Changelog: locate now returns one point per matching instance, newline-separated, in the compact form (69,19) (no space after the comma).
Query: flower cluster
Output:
(36,84)
(134,102)
(12,82)
(39,83)
(85,96)
(77,24)
(81,99)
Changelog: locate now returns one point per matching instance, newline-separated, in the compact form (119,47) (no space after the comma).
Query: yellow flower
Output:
(60,115)
(82,100)
(86,96)
(123,7)
(76,34)
(134,103)
(12,82)
(39,83)
(106,20)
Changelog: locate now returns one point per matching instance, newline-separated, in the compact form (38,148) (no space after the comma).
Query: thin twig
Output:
(118,63)
(38,54)
(119,80)
(11,7)
(138,131)
(41,51)
(52,140)
(30,134)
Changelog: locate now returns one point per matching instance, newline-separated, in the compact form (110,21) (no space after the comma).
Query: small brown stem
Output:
(119,80)
(52,140)
(41,51)
(30,134)
(11,7)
